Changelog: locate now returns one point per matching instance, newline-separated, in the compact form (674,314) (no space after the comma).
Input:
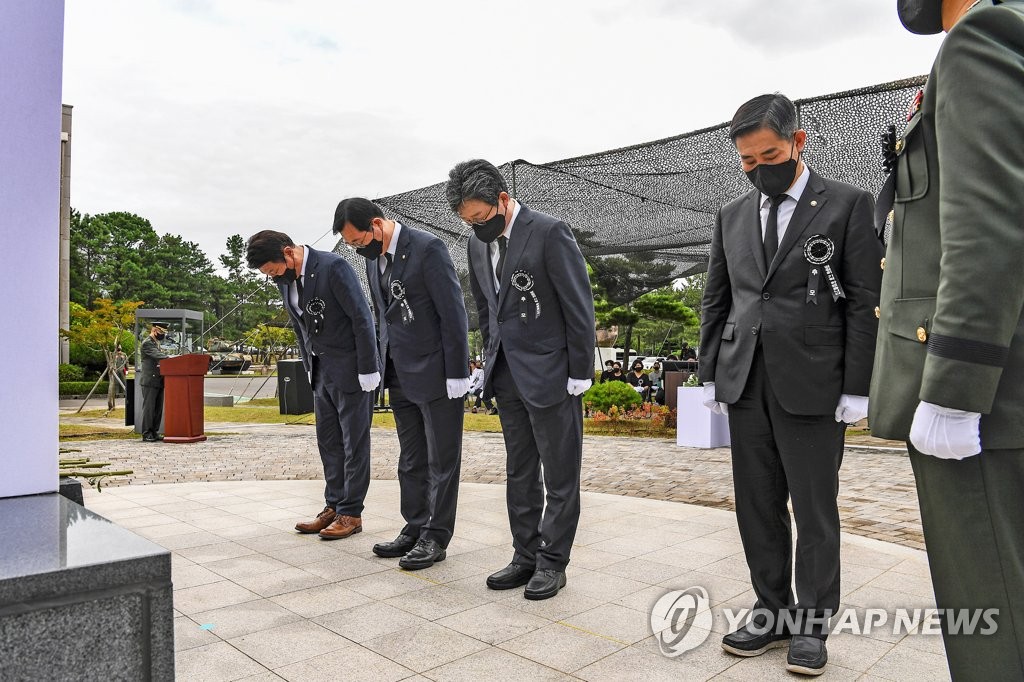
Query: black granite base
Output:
(80,597)
(71,488)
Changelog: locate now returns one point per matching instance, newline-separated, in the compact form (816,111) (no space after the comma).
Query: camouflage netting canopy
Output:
(658,200)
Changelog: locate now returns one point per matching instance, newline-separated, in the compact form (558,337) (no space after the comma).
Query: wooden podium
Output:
(183,397)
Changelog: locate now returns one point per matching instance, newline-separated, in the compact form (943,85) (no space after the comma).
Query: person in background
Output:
(152,384)
(655,377)
(476,388)
(639,380)
(617,373)
(609,366)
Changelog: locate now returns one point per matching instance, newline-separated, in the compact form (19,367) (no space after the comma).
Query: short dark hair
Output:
(358,211)
(609,362)
(266,247)
(475,179)
(775,112)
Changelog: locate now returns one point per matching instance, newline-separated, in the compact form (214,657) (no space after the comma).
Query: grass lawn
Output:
(266,411)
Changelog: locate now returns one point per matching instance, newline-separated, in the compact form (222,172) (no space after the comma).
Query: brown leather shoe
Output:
(342,527)
(322,520)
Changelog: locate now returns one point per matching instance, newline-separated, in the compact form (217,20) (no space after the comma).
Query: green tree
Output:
(102,329)
(618,281)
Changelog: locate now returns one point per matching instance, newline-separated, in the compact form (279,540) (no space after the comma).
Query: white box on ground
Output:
(696,425)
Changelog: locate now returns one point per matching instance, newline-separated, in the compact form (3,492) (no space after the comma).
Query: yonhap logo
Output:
(681,620)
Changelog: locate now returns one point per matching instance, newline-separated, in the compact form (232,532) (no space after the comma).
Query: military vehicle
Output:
(226,357)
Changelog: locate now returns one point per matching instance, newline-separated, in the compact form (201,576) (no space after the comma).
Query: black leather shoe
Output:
(807,655)
(513,575)
(150,438)
(545,583)
(400,546)
(744,642)
(425,554)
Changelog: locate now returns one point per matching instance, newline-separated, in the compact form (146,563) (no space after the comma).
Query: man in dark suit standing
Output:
(334,330)
(536,310)
(949,369)
(787,339)
(152,383)
(424,347)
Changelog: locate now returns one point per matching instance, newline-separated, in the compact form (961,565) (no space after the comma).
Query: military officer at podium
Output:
(949,369)
(334,328)
(424,349)
(152,384)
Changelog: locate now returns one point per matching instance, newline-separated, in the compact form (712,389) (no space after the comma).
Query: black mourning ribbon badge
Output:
(523,281)
(398,294)
(818,250)
(315,308)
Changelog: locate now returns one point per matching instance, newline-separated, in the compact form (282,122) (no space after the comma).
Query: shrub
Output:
(601,397)
(66,372)
(82,388)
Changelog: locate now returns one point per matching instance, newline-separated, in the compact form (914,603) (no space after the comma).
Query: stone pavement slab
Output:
(363,618)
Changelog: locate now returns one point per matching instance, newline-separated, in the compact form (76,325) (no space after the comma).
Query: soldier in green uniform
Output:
(152,383)
(949,368)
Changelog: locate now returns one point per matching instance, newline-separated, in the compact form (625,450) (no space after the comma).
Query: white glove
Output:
(851,408)
(944,432)
(710,402)
(368,382)
(578,386)
(457,388)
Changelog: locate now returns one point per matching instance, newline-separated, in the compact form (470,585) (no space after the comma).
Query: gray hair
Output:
(775,112)
(475,179)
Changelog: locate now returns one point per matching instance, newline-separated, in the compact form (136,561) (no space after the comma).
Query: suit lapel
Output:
(811,201)
(752,212)
(521,233)
(309,285)
(401,257)
(484,271)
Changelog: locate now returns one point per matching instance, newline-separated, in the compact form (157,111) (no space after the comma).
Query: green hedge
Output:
(81,388)
(67,372)
(601,397)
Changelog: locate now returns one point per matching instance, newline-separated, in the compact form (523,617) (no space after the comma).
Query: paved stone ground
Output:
(256,601)
(878,498)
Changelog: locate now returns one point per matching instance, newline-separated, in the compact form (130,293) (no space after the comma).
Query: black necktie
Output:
(771,230)
(298,286)
(502,247)
(385,279)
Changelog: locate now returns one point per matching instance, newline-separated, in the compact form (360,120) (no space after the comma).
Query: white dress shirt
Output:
(494,245)
(382,261)
(293,289)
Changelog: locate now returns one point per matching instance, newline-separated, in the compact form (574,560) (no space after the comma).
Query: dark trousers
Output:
(487,402)
(778,456)
(430,436)
(152,409)
(343,437)
(973,519)
(542,534)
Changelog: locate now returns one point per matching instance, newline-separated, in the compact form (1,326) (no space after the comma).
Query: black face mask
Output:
(773,179)
(160,337)
(285,278)
(490,230)
(923,17)
(371,250)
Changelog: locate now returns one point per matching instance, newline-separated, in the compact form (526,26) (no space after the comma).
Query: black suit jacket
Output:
(543,317)
(345,345)
(426,333)
(814,351)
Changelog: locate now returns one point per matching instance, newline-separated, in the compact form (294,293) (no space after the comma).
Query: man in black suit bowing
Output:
(334,329)
(536,309)
(787,340)
(424,347)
